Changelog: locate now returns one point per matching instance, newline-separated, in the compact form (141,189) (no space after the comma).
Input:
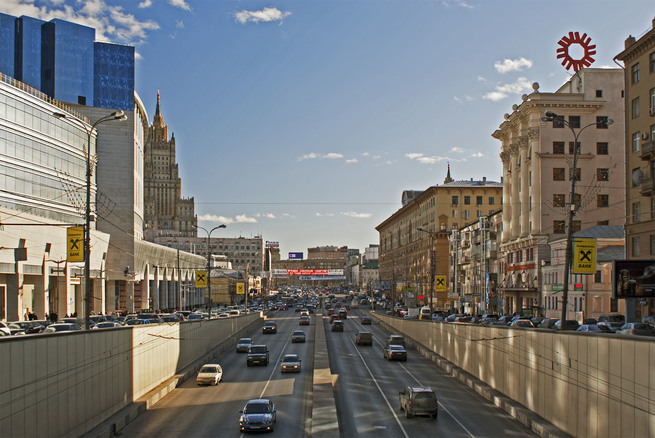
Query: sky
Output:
(303,121)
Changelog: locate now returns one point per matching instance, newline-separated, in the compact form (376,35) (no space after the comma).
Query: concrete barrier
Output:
(584,384)
(67,384)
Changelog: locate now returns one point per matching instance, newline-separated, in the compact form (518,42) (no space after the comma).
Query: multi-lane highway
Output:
(366,392)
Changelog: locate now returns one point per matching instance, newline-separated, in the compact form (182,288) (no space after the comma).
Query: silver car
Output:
(636,329)
(290,363)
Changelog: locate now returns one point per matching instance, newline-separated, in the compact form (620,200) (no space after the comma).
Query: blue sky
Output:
(303,121)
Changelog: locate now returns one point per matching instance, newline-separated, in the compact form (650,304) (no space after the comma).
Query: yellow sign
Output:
(75,244)
(201,278)
(440,283)
(584,256)
(241,288)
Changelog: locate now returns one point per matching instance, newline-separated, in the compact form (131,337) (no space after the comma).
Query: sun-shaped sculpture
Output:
(583,41)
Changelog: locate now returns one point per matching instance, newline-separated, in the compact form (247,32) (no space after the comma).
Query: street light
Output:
(431,282)
(117,115)
(549,117)
(209,277)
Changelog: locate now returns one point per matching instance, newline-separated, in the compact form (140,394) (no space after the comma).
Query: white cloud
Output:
(413,155)
(456,149)
(333,155)
(423,159)
(308,156)
(356,215)
(328,156)
(366,154)
(215,218)
(269,216)
(265,15)
(324,214)
(244,219)
(182,4)
(477,155)
(502,91)
(508,65)
(145,4)
(460,3)
(179,24)
(351,161)
(287,215)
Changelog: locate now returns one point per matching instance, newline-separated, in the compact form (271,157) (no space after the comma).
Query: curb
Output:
(325,422)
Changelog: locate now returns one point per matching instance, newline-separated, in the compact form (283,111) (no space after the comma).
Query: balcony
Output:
(647,186)
(647,150)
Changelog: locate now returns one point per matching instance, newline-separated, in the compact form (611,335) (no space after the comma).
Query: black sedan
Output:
(257,415)
(395,352)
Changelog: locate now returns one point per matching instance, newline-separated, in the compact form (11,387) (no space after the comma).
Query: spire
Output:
(159,120)
(448,178)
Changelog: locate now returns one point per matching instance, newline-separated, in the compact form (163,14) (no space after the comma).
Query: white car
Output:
(209,374)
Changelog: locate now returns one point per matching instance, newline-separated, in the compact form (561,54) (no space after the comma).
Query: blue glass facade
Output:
(62,60)
(28,51)
(113,79)
(7,44)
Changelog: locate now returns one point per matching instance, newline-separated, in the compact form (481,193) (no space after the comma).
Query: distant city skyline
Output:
(304,122)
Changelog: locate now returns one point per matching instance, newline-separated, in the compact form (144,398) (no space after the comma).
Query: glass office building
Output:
(62,60)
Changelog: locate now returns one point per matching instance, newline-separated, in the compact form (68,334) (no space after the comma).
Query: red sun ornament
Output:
(583,41)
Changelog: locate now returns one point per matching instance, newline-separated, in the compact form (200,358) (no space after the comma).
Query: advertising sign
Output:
(634,279)
(272,244)
(75,244)
(201,278)
(439,283)
(241,288)
(584,256)
(295,256)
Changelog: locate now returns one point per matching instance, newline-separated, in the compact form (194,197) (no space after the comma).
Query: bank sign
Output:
(584,256)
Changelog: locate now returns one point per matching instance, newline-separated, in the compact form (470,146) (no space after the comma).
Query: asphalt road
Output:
(366,392)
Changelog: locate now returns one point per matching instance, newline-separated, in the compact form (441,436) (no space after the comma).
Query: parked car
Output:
(257,415)
(337,326)
(418,401)
(636,329)
(571,324)
(209,374)
(366,320)
(257,354)
(612,320)
(270,327)
(505,319)
(29,327)
(298,336)
(548,323)
(591,328)
(62,327)
(522,323)
(395,340)
(106,324)
(395,352)
(290,363)
(364,338)
(137,321)
(243,345)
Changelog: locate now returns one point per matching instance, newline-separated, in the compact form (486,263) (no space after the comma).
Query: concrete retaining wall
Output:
(66,384)
(586,385)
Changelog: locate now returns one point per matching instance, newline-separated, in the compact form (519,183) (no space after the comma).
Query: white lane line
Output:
(284,348)
(393,412)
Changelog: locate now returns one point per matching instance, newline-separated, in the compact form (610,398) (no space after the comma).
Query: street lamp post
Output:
(209,277)
(431,281)
(117,115)
(568,255)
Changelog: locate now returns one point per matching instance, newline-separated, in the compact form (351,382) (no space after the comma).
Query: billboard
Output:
(295,256)
(634,279)
(272,244)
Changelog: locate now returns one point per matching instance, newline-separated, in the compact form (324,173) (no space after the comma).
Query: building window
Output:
(559,227)
(652,208)
(635,107)
(467,214)
(651,108)
(603,201)
(599,93)
(491,200)
(602,174)
(558,174)
(576,226)
(576,174)
(455,202)
(635,142)
(601,122)
(574,121)
(478,200)
(651,62)
(603,223)
(602,148)
(558,147)
(479,213)
(454,213)
(571,147)
(576,200)
(467,200)
(635,247)
(652,244)
(636,212)
(559,200)
(598,277)
(558,122)
(635,73)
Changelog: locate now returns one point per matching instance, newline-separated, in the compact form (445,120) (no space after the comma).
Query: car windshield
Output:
(396,347)
(299,333)
(209,370)
(616,318)
(245,341)
(258,349)
(256,408)
(290,358)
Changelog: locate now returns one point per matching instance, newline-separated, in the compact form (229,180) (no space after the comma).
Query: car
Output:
(337,326)
(395,340)
(270,327)
(137,321)
(298,336)
(548,323)
(612,320)
(418,401)
(522,323)
(366,320)
(257,354)
(209,374)
(195,317)
(304,320)
(364,338)
(62,327)
(4,329)
(243,345)
(333,318)
(28,327)
(636,328)
(343,314)
(571,324)
(304,312)
(290,363)
(331,311)
(106,324)
(395,352)
(257,415)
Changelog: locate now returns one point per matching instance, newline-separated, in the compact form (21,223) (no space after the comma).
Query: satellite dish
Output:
(637,177)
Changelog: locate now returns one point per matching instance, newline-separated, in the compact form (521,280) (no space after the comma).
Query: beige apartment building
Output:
(409,256)
(537,161)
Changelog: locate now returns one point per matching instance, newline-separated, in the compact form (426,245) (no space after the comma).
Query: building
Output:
(592,294)
(475,265)
(369,272)
(165,209)
(536,158)
(409,256)
(639,82)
